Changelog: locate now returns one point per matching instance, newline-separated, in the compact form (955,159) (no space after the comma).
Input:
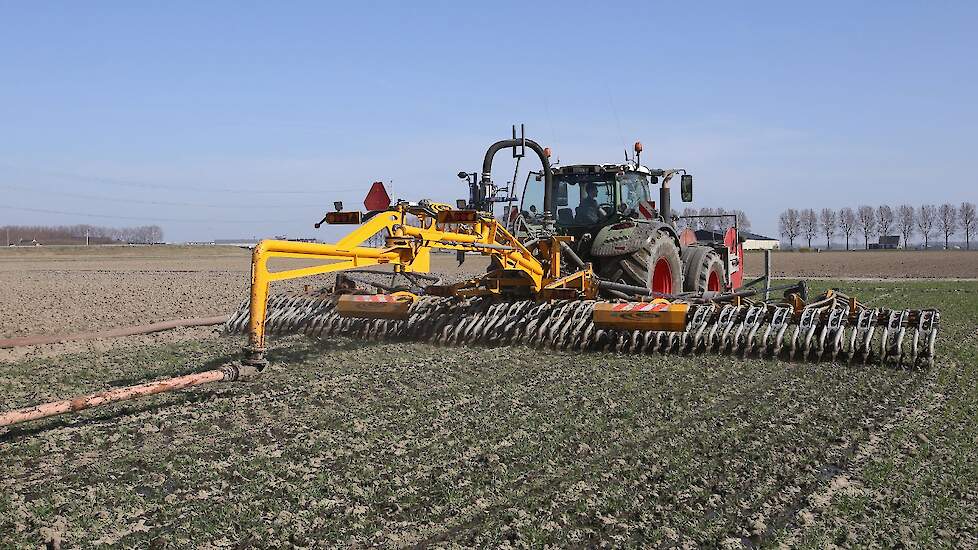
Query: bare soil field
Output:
(348,443)
(49,290)
(71,289)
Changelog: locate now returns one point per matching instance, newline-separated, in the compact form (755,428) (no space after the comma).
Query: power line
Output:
(550,121)
(172,187)
(614,111)
(136,218)
(61,193)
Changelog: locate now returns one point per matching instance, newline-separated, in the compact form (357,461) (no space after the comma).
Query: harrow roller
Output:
(826,330)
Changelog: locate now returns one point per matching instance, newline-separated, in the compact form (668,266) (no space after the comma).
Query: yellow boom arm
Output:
(408,248)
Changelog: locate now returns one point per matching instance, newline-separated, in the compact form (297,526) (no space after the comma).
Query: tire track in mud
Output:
(570,474)
(735,401)
(502,429)
(828,471)
(857,453)
(740,397)
(579,470)
(561,478)
(459,376)
(778,441)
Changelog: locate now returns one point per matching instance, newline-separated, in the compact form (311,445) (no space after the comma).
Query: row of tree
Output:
(928,220)
(80,234)
(713,219)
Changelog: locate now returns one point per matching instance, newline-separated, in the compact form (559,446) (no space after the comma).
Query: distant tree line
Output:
(76,234)
(928,220)
(719,219)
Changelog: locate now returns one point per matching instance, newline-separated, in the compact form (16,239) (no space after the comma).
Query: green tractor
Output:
(618,227)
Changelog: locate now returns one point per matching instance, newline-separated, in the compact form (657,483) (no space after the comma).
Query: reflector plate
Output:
(458,216)
(662,316)
(339,218)
(373,306)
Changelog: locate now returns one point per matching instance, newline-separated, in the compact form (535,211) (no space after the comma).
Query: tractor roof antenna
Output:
(519,149)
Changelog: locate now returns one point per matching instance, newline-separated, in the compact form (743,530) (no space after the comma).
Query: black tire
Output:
(638,268)
(700,265)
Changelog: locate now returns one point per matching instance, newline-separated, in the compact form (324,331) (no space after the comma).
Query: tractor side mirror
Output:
(686,187)
(562,194)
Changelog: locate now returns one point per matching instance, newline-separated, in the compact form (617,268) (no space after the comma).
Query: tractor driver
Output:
(589,213)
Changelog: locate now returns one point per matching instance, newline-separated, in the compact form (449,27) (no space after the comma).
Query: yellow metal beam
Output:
(409,249)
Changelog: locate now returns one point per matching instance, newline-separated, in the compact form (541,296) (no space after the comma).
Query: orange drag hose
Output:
(119,394)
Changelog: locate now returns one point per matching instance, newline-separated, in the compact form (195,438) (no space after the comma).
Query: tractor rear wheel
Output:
(703,270)
(656,266)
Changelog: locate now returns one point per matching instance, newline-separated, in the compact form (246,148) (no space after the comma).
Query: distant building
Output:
(753,241)
(886,242)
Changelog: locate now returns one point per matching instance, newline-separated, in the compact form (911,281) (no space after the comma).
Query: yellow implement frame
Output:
(408,248)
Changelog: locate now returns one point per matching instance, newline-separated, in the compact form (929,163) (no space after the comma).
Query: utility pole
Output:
(8,236)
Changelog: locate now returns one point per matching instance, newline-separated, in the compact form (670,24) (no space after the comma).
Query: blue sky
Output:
(248,119)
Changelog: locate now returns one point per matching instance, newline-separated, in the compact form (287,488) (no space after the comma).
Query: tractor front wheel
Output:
(656,266)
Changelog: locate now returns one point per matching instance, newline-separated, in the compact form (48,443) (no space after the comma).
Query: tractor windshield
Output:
(585,199)
(634,189)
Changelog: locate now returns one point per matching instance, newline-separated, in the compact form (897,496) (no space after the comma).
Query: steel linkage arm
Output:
(346,254)
(408,248)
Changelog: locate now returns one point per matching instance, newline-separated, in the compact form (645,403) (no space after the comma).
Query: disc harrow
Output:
(833,328)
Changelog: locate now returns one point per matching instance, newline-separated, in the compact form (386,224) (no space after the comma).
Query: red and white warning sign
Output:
(646,209)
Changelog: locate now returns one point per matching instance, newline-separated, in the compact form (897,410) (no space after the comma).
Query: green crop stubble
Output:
(407,443)
(919,483)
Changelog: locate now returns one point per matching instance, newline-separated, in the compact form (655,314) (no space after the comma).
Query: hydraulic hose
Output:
(228,373)
(569,252)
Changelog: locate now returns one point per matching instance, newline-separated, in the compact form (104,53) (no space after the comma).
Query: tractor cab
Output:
(590,196)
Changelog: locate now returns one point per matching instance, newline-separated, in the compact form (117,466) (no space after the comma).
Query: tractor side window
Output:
(634,189)
(531,207)
(593,201)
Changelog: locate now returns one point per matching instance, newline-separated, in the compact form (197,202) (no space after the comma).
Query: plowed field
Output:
(344,443)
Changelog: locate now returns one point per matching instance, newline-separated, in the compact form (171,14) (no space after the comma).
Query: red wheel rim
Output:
(662,277)
(713,284)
